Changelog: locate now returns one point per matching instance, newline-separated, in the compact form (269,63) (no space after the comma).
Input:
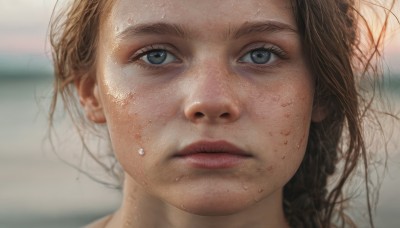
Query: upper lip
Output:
(212,147)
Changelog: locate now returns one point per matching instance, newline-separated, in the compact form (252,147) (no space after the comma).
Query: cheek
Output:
(284,115)
(284,111)
(134,121)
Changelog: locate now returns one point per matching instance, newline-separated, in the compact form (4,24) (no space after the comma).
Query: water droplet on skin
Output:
(178,178)
(141,152)
(245,187)
(285,142)
(285,132)
(260,190)
(298,146)
(183,207)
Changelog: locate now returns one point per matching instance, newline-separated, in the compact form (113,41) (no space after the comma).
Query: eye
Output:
(259,56)
(157,57)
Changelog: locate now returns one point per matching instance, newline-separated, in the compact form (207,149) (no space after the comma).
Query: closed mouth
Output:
(214,147)
(216,155)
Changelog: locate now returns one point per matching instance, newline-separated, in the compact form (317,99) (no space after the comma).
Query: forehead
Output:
(204,14)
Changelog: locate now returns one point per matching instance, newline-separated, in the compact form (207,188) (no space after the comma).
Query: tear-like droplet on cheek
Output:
(141,152)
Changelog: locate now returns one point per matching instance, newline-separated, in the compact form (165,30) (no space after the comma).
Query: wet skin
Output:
(173,73)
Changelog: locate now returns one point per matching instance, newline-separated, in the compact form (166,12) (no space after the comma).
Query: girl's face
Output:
(208,103)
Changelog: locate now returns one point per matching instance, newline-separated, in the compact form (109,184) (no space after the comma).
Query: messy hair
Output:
(332,37)
(339,54)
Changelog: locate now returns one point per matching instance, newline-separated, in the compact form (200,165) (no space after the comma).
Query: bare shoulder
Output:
(100,223)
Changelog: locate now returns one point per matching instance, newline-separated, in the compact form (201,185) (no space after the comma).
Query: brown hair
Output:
(331,39)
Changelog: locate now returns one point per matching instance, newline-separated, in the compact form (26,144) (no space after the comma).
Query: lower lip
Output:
(213,160)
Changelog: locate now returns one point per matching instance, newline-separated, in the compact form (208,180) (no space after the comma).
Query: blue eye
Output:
(259,56)
(158,57)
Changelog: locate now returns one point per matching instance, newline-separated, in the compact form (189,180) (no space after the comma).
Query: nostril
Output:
(225,115)
(198,115)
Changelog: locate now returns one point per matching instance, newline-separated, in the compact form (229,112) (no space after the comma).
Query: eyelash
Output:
(146,50)
(275,50)
(136,58)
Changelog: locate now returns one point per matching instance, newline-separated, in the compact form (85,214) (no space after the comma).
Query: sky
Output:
(23,29)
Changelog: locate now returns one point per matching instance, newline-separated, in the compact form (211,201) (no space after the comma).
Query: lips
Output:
(212,155)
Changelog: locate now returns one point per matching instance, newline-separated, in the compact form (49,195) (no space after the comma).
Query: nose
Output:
(211,97)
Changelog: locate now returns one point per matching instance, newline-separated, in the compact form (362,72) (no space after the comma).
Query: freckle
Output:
(275,150)
(138,137)
(270,133)
(285,142)
(283,157)
(276,98)
(260,170)
(287,115)
(285,132)
(270,168)
(285,104)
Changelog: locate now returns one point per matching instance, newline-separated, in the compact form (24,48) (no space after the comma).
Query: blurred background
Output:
(37,189)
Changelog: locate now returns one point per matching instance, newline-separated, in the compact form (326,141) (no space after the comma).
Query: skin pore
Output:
(173,73)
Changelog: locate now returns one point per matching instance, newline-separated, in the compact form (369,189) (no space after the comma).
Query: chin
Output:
(222,204)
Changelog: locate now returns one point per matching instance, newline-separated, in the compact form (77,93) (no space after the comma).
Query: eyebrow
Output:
(180,31)
(250,28)
(153,29)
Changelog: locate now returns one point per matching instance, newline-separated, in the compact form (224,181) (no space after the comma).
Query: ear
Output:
(319,113)
(89,98)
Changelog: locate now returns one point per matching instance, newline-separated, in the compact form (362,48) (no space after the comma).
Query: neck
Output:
(139,209)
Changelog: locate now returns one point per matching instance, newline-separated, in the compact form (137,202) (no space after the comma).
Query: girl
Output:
(220,113)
